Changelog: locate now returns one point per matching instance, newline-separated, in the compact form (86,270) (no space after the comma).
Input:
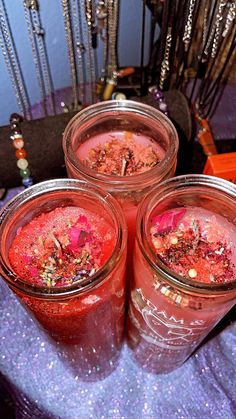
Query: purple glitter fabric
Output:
(43,387)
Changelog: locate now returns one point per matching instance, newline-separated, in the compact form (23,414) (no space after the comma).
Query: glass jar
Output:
(85,316)
(171,312)
(112,118)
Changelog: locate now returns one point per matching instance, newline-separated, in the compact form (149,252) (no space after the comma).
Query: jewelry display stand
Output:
(43,139)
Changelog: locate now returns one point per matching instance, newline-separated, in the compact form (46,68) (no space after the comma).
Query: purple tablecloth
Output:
(204,387)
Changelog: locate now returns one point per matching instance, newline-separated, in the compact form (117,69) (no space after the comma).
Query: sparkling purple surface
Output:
(204,387)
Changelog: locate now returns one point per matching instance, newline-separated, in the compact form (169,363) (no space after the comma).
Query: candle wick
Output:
(57,243)
(123,167)
(196,240)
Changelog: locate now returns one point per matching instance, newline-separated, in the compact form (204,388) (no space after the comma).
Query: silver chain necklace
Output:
(111,46)
(112,37)
(42,69)
(12,62)
(78,23)
(91,75)
(70,47)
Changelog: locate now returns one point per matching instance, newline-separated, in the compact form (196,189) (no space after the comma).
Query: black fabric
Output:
(43,144)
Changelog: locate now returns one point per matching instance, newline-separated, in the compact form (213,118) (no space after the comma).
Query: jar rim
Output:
(115,107)
(68,186)
(184,181)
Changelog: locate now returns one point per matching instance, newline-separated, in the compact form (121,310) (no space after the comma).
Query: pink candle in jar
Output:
(125,147)
(183,278)
(66,262)
(121,153)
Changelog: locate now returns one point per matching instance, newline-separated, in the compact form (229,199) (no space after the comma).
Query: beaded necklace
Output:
(18,144)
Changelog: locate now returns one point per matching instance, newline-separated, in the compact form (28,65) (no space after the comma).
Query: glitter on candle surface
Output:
(196,244)
(61,247)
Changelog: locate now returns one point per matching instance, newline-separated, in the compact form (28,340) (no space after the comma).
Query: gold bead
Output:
(192,273)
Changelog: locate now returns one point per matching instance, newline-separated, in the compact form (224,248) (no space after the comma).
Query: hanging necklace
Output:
(186,39)
(102,31)
(208,96)
(20,152)
(80,35)
(78,25)
(12,62)
(91,45)
(70,47)
(40,57)
(112,61)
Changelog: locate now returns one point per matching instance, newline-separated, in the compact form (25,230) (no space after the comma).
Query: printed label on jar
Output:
(165,330)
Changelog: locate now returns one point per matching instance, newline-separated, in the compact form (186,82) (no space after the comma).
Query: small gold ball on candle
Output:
(192,273)
(174,240)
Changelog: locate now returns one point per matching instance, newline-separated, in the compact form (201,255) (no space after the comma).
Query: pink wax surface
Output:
(165,323)
(120,153)
(64,247)
(141,154)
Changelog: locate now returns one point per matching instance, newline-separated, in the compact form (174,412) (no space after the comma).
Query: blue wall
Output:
(52,21)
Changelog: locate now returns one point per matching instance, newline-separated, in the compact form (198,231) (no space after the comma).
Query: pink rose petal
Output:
(168,221)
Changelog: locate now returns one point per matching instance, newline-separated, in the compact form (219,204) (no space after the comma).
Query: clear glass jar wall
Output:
(86,316)
(170,314)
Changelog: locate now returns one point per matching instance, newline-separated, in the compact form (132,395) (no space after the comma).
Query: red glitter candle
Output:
(123,146)
(184,268)
(63,251)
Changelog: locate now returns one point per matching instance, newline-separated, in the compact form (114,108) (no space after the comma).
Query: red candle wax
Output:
(63,246)
(167,322)
(67,246)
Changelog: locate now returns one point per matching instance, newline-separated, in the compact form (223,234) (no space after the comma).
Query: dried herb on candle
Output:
(119,157)
(63,252)
(186,247)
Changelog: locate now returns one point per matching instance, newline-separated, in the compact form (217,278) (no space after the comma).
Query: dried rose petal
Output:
(74,236)
(84,237)
(168,221)
(83,220)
